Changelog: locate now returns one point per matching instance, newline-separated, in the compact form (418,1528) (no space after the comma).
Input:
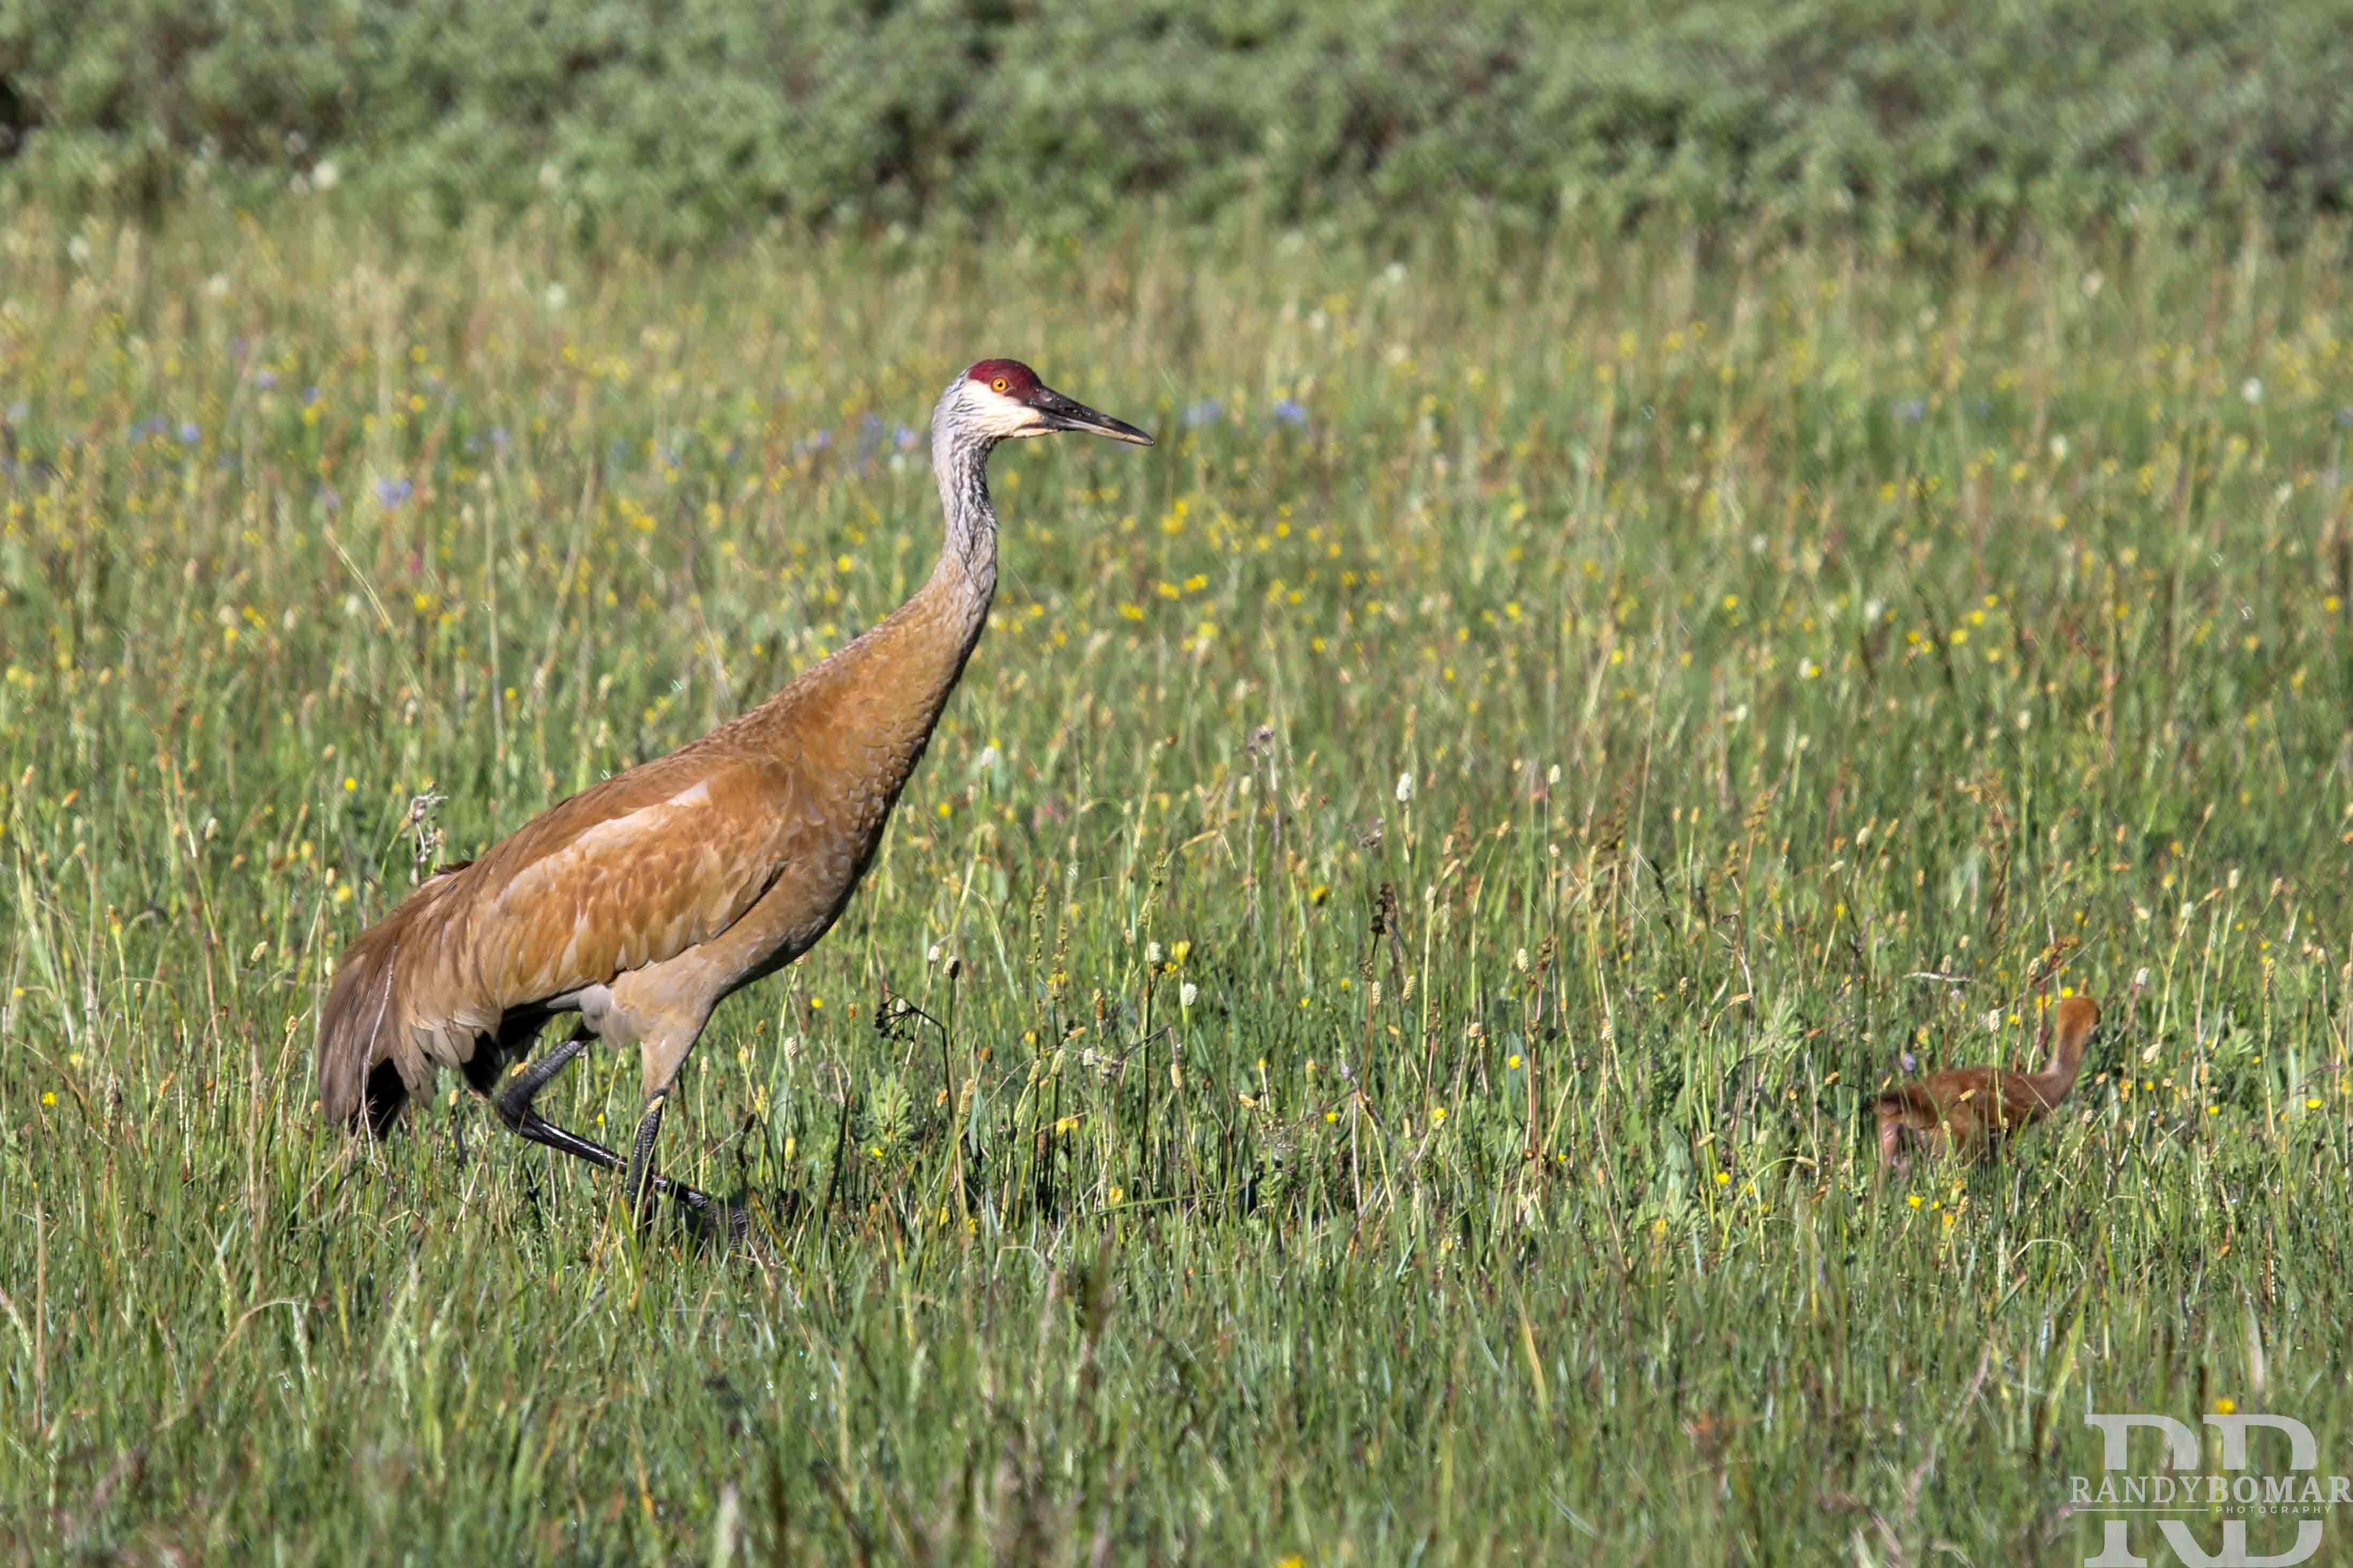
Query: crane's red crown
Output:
(1009,376)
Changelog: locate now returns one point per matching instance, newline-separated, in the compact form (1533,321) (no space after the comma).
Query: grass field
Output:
(1419,884)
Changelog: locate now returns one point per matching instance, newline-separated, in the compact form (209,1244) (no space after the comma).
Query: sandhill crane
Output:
(1971,1110)
(642,902)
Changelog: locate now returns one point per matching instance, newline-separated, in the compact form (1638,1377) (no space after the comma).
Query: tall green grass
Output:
(1358,1047)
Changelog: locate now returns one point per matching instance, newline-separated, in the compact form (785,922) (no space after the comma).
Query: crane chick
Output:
(1971,1111)
(639,903)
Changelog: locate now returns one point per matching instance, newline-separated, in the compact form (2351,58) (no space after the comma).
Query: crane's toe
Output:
(727,1220)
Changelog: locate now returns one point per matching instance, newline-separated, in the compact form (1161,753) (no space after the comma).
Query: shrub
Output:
(697,117)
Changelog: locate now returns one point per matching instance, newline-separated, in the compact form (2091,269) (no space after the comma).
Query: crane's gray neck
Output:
(960,462)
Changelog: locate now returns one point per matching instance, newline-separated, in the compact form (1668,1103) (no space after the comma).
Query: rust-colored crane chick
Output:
(1971,1111)
(642,902)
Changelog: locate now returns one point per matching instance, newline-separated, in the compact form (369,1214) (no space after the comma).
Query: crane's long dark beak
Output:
(1061,413)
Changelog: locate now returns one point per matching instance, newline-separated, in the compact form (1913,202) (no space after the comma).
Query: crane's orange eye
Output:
(999,383)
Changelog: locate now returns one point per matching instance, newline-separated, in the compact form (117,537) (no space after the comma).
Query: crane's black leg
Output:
(641,1153)
(514,1104)
(641,1182)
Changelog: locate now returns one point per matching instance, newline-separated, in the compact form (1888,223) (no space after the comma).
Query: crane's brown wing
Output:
(630,872)
(1904,1104)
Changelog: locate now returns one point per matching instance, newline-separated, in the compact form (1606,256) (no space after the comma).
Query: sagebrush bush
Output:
(695,118)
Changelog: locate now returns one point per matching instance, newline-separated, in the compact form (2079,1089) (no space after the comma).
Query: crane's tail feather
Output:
(367,1064)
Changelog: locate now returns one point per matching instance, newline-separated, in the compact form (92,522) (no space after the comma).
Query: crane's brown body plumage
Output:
(641,902)
(1972,1111)
(644,901)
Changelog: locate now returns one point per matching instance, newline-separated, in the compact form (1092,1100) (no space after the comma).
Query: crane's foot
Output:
(727,1220)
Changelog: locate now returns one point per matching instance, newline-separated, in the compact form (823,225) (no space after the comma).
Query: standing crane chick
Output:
(641,902)
(1971,1110)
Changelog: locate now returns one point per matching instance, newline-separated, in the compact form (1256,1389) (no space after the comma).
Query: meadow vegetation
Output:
(685,122)
(1357,1045)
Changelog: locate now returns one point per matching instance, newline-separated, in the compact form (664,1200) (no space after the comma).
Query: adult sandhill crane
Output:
(1971,1110)
(642,902)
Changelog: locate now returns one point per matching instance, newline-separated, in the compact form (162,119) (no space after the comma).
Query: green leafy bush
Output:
(694,118)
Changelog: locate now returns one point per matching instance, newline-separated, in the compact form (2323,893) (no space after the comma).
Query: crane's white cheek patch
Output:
(1003,417)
